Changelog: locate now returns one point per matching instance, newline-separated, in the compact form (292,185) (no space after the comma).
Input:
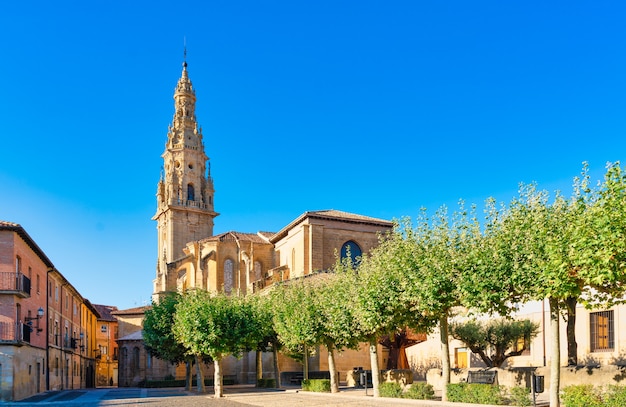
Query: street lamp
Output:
(40,313)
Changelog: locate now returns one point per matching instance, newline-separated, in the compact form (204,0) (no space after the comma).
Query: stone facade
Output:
(190,256)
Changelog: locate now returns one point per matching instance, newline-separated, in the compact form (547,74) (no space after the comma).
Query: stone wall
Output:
(597,375)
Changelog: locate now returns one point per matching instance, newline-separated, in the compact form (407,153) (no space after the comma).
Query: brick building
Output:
(106,351)
(47,329)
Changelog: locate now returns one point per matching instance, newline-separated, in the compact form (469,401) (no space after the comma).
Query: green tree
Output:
(262,306)
(215,326)
(379,301)
(564,249)
(296,319)
(339,327)
(444,266)
(495,340)
(158,337)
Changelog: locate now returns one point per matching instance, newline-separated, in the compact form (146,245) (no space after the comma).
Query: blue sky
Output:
(372,107)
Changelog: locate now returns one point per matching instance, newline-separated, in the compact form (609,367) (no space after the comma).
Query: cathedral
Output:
(191,256)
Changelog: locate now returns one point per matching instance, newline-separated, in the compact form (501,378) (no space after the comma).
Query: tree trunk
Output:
(555,360)
(276,371)
(572,346)
(188,376)
(217,378)
(305,363)
(200,375)
(334,386)
(445,356)
(259,366)
(375,368)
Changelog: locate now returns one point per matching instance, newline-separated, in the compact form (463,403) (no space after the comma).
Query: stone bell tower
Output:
(185,191)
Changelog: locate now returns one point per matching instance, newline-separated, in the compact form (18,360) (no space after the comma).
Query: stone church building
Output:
(191,256)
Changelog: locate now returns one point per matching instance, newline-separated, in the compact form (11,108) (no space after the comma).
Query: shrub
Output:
(475,393)
(390,389)
(615,396)
(316,385)
(419,391)
(520,396)
(584,395)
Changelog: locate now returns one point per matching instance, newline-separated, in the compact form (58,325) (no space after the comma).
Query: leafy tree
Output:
(564,249)
(262,306)
(380,306)
(445,266)
(296,319)
(215,326)
(495,340)
(338,321)
(158,337)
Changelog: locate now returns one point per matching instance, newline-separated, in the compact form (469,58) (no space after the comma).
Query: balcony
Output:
(15,333)
(272,277)
(14,283)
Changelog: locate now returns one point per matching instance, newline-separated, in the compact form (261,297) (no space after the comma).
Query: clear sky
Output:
(372,107)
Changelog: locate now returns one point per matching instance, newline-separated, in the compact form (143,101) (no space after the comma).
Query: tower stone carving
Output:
(185,192)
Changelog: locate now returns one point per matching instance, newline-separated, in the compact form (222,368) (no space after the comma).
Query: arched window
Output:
(228,276)
(352,251)
(257,270)
(191,195)
(135,363)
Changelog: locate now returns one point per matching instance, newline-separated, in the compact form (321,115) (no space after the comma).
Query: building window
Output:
(56,293)
(103,328)
(191,195)
(523,345)
(135,363)
(228,276)
(352,251)
(18,264)
(38,291)
(602,331)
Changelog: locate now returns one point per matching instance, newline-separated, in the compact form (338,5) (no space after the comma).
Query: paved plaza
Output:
(234,396)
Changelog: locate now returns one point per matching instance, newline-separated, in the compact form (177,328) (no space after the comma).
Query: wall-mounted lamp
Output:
(79,339)
(29,320)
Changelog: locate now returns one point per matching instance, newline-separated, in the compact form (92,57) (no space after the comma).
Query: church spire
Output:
(185,191)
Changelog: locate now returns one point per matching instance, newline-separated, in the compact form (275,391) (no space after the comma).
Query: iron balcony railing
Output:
(14,283)
(14,332)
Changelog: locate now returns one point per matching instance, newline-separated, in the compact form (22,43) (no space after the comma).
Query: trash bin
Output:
(538,383)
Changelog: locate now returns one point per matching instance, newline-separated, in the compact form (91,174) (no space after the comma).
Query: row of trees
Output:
(564,250)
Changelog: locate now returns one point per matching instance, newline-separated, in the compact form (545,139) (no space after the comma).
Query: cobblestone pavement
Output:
(234,396)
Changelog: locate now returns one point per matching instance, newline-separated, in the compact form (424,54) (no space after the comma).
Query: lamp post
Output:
(40,313)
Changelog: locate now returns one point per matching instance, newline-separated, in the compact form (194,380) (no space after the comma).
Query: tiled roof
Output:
(106,312)
(135,336)
(332,214)
(232,236)
(131,311)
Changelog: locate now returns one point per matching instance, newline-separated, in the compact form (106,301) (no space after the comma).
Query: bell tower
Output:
(185,191)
